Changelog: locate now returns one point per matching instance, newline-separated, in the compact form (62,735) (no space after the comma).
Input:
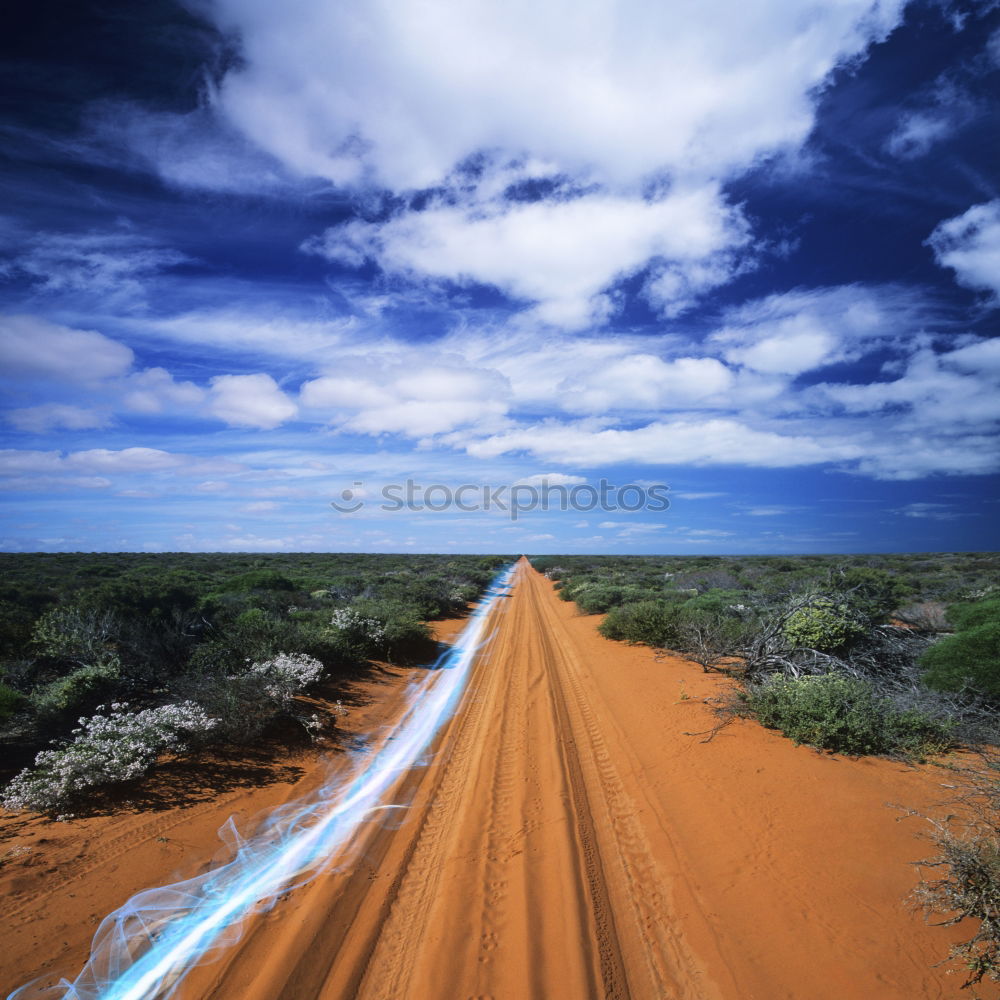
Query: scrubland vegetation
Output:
(109,660)
(896,655)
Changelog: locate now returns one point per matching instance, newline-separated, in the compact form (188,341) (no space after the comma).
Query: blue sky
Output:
(252,254)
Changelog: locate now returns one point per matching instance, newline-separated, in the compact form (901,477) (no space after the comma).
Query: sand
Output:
(570,839)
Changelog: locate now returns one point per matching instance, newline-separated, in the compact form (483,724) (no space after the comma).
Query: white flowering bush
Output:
(245,703)
(286,674)
(107,749)
(358,631)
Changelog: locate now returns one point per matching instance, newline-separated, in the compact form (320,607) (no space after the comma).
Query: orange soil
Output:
(571,839)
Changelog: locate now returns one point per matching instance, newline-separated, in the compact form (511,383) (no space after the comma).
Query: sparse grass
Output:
(969,888)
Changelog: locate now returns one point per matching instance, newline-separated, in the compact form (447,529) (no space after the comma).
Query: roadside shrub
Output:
(844,714)
(358,635)
(970,887)
(969,659)
(286,674)
(73,633)
(106,750)
(10,701)
(244,704)
(597,600)
(403,628)
(966,616)
(254,634)
(823,625)
(711,639)
(78,691)
(872,593)
(654,623)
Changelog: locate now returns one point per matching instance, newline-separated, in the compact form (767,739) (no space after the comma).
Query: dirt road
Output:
(534,863)
(569,838)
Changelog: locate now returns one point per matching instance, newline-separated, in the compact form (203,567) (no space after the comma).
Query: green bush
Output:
(78,691)
(872,593)
(79,634)
(260,579)
(844,714)
(966,616)
(654,623)
(967,659)
(255,634)
(597,600)
(823,625)
(10,701)
(403,630)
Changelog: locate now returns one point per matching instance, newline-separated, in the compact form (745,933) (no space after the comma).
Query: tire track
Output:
(400,937)
(612,965)
(495,879)
(670,970)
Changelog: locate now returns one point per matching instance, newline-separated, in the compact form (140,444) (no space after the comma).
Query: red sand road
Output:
(572,840)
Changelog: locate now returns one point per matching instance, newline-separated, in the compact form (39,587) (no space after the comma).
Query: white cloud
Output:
(978,356)
(969,244)
(33,347)
(618,89)
(646,382)
(709,442)
(634,113)
(52,416)
(90,468)
(260,507)
(930,511)
(250,401)
(794,332)
(265,333)
(552,479)
(917,132)
(125,460)
(561,256)
(417,401)
(154,389)
(113,265)
(931,392)
(190,150)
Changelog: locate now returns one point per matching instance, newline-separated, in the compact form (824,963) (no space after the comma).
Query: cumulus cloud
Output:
(34,347)
(799,331)
(53,416)
(560,256)
(934,389)
(155,389)
(416,401)
(969,244)
(618,89)
(634,114)
(250,401)
(646,382)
